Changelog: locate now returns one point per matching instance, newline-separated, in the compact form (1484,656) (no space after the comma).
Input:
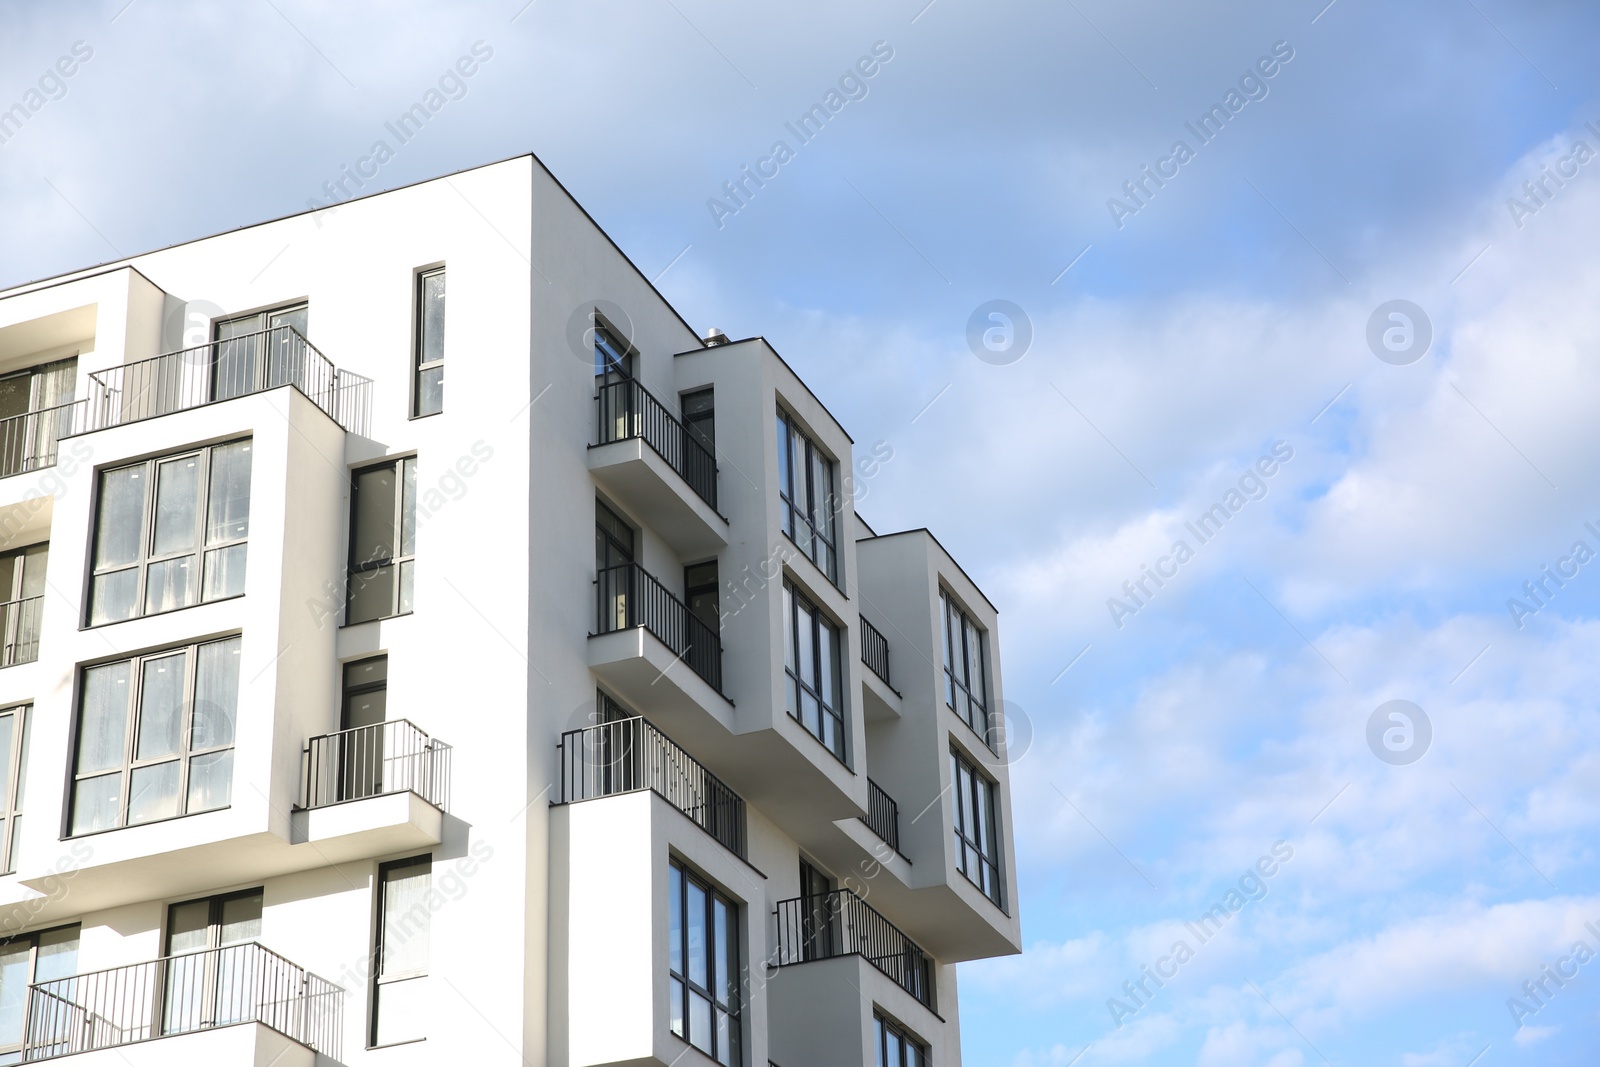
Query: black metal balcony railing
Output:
(28,441)
(19,630)
(625,409)
(875,651)
(842,924)
(883,815)
(627,596)
(245,983)
(631,755)
(222,370)
(369,761)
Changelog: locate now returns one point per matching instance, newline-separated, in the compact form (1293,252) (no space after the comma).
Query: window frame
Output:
(16,775)
(973,794)
(680,876)
(951,611)
(132,722)
(32,937)
(882,1027)
(201,549)
(613,352)
(19,636)
(378,979)
(402,498)
(420,365)
(790,513)
(793,596)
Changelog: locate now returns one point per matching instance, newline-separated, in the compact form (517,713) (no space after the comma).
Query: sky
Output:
(1354,320)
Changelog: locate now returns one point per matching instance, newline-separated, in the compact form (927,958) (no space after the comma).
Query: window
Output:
(977,837)
(896,1046)
(383,534)
(811,660)
(964,688)
(155,736)
(613,551)
(33,415)
(613,357)
(805,487)
(170,532)
(359,751)
(700,593)
(13,772)
(46,956)
(699,418)
(430,343)
(400,975)
(258,352)
(703,962)
(819,914)
(22,590)
(206,984)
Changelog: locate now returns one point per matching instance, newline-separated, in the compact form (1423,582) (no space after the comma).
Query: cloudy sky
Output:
(1230,313)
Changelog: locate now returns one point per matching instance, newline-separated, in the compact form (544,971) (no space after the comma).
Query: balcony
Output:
(223,370)
(883,815)
(178,995)
(645,457)
(629,597)
(19,630)
(875,650)
(372,789)
(28,441)
(631,755)
(842,924)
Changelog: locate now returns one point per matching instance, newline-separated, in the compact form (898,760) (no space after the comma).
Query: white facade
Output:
(543,928)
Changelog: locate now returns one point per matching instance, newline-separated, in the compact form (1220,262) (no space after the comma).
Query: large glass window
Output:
(964,678)
(383,535)
(400,975)
(155,736)
(13,771)
(805,489)
(170,532)
(22,574)
(430,342)
(896,1046)
(703,965)
(45,956)
(813,691)
(976,829)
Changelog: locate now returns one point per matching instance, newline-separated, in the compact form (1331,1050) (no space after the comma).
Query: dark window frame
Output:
(797,603)
(680,877)
(795,512)
(378,979)
(961,695)
(974,795)
(147,557)
(913,1050)
(130,760)
(421,366)
(405,495)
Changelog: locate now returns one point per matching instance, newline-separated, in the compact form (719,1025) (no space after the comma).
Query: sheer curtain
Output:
(54,384)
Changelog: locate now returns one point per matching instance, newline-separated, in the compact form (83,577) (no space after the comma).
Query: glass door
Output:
(363,760)
(211,978)
(257,352)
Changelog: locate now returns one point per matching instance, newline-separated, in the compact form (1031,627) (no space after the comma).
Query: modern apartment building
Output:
(422,647)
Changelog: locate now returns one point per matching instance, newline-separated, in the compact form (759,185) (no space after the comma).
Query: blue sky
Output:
(1229,313)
